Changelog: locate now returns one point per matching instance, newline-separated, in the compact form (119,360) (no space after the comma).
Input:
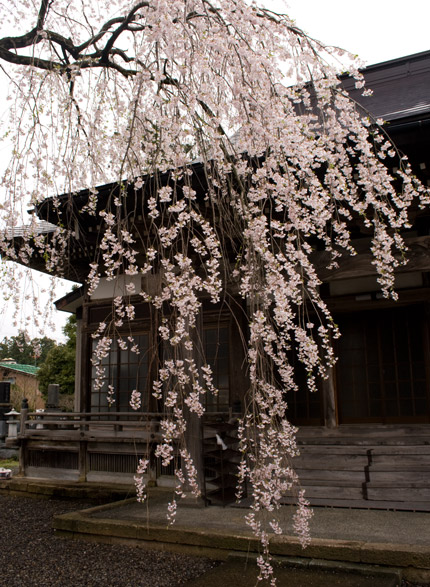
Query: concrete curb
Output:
(243,573)
(322,553)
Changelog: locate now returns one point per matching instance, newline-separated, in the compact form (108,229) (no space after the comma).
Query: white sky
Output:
(376,30)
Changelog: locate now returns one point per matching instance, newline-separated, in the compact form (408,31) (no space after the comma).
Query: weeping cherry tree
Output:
(119,92)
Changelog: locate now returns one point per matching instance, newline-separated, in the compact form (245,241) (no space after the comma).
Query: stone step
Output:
(335,449)
(400,460)
(399,465)
(409,493)
(352,477)
(364,442)
(393,472)
(322,491)
(332,462)
(403,451)
(396,431)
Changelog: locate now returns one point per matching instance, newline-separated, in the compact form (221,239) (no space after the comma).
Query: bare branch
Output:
(127,20)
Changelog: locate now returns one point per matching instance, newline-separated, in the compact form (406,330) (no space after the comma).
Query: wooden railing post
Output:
(22,442)
(83,460)
(23,417)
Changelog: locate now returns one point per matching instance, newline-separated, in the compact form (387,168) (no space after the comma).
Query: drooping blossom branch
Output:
(233,153)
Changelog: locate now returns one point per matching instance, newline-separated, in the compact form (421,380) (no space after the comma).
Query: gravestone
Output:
(4,407)
(53,401)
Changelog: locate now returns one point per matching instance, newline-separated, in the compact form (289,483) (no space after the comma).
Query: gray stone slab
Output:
(375,526)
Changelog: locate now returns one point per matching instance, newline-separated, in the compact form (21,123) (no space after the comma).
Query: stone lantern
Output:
(13,421)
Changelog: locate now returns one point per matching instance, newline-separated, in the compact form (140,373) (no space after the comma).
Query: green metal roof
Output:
(29,369)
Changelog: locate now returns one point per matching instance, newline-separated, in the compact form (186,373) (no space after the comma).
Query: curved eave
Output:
(71,208)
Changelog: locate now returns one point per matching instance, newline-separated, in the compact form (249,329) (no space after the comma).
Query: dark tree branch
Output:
(11,57)
(123,26)
(72,55)
(88,55)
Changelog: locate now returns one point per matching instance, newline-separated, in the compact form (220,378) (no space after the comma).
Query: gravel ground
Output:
(32,556)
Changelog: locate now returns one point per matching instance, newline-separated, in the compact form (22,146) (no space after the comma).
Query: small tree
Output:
(24,350)
(59,365)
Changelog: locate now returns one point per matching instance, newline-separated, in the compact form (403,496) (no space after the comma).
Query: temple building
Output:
(364,435)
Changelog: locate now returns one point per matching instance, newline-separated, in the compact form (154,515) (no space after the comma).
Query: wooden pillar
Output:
(23,416)
(329,400)
(238,378)
(193,433)
(23,456)
(85,354)
(78,366)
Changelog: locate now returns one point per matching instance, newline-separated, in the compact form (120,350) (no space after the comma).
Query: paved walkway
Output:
(376,526)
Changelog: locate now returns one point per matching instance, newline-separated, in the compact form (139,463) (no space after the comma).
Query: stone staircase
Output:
(377,467)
